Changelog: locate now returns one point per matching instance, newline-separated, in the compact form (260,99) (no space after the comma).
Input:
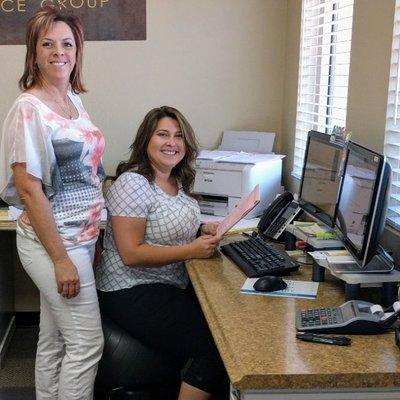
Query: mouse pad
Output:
(297,289)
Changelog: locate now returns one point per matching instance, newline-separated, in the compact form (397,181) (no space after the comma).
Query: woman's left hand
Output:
(210,228)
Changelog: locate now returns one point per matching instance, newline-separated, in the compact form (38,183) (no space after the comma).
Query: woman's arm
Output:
(129,238)
(41,218)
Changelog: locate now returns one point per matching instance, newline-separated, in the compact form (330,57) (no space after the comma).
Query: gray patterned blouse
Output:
(170,221)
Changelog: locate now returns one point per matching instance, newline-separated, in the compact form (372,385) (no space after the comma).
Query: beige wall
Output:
(290,88)
(369,71)
(221,62)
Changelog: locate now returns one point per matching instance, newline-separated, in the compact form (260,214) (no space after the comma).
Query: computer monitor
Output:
(362,205)
(320,182)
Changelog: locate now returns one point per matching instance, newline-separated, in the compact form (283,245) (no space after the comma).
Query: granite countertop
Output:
(255,336)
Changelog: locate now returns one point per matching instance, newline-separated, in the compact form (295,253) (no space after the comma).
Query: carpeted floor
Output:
(17,376)
(17,394)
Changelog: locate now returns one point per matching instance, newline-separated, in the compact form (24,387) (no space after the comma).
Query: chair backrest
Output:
(128,363)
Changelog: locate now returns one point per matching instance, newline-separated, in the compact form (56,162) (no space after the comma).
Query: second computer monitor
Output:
(320,183)
(363,202)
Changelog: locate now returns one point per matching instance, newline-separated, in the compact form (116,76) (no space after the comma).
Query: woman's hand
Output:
(209,228)
(204,246)
(67,278)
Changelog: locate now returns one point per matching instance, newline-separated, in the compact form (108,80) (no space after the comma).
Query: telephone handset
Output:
(278,215)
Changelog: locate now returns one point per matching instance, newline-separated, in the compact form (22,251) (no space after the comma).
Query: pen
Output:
(325,339)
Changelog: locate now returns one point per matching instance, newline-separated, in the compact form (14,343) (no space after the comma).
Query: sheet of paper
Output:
(243,208)
(214,154)
(249,141)
(300,224)
(324,254)
(250,158)
(244,225)
(238,157)
(297,289)
(314,229)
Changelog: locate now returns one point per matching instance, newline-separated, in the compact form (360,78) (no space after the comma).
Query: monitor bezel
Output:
(368,248)
(307,206)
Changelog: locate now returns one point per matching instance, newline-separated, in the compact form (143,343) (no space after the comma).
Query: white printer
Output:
(243,160)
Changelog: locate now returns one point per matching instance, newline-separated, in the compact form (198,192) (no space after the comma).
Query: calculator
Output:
(352,317)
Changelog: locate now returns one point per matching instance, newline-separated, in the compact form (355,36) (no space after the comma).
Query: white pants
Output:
(70,339)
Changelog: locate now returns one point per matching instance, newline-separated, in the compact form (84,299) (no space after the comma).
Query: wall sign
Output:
(102,19)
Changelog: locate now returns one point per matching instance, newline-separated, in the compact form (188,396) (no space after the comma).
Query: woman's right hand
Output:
(204,246)
(67,278)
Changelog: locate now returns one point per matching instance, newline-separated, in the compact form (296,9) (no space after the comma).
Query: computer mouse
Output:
(269,284)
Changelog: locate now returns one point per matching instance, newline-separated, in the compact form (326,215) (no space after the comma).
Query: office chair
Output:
(129,370)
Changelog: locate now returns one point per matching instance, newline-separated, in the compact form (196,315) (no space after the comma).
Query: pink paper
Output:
(243,208)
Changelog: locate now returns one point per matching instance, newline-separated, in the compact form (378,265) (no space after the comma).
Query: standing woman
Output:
(152,228)
(51,167)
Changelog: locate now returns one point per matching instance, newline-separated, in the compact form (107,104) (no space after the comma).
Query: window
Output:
(392,132)
(324,70)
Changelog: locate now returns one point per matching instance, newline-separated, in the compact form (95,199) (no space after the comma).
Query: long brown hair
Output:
(40,22)
(139,161)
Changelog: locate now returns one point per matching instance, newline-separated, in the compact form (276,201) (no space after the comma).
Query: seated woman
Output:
(153,227)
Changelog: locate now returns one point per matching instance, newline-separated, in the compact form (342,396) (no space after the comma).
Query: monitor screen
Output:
(362,204)
(320,183)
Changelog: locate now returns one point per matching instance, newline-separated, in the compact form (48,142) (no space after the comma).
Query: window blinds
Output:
(392,133)
(323,71)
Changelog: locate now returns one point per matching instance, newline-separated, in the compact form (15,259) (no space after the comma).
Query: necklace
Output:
(65,109)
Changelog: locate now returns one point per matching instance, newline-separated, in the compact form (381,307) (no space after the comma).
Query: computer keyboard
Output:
(257,258)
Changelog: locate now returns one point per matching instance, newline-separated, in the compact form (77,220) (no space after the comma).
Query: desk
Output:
(8,259)
(255,336)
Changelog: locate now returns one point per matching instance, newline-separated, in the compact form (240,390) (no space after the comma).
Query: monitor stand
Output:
(353,280)
(381,263)
(292,233)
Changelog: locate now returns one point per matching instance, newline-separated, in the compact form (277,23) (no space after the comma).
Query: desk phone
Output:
(352,317)
(278,215)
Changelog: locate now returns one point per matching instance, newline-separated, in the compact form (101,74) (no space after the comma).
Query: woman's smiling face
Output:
(166,147)
(56,53)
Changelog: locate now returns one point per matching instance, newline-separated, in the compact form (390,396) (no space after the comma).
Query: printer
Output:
(226,175)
